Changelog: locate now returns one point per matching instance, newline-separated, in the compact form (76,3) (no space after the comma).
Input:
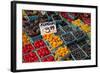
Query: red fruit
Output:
(32,54)
(26,58)
(36,45)
(39,43)
(24,50)
(44,60)
(47,52)
(50,58)
(30,57)
(27,48)
(43,52)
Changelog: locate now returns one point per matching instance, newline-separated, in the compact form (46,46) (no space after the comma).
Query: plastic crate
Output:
(78,54)
(78,34)
(67,28)
(30,57)
(67,58)
(59,32)
(63,23)
(68,38)
(48,58)
(32,18)
(87,50)
(82,42)
(36,37)
(73,47)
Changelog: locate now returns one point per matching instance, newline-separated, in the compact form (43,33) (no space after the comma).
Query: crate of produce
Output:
(43,18)
(87,49)
(32,18)
(26,39)
(44,54)
(85,18)
(67,28)
(82,42)
(36,37)
(53,40)
(61,52)
(73,15)
(30,57)
(57,18)
(48,58)
(27,48)
(86,28)
(68,38)
(32,30)
(38,43)
(73,47)
(59,32)
(63,23)
(43,51)
(78,54)
(66,16)
(67,58)
(25,21)
(78,34)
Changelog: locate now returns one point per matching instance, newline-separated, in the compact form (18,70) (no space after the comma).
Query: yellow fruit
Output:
(62,51)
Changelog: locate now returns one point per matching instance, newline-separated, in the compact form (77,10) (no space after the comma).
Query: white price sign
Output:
(47,28)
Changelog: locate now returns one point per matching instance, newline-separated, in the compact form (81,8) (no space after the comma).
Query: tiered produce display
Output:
(71,41)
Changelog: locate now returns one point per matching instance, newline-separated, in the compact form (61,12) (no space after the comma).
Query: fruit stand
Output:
(70,42)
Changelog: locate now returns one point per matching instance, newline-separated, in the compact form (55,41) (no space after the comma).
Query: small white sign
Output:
(47,28)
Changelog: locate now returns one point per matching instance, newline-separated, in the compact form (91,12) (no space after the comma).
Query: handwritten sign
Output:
(47,28)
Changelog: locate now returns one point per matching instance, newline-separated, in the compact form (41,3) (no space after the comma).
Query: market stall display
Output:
(69,42)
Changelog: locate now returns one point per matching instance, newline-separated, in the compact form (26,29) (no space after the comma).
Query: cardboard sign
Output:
(47,28)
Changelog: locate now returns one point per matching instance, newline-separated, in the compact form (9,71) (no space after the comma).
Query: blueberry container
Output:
(59,32)
(82,42)
(63,23)
(87,49)
(78,54)
(57,19)
(68,38)
(67,28)
(78,34)
(73,47)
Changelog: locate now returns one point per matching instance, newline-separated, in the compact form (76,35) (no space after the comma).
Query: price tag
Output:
(47,28)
